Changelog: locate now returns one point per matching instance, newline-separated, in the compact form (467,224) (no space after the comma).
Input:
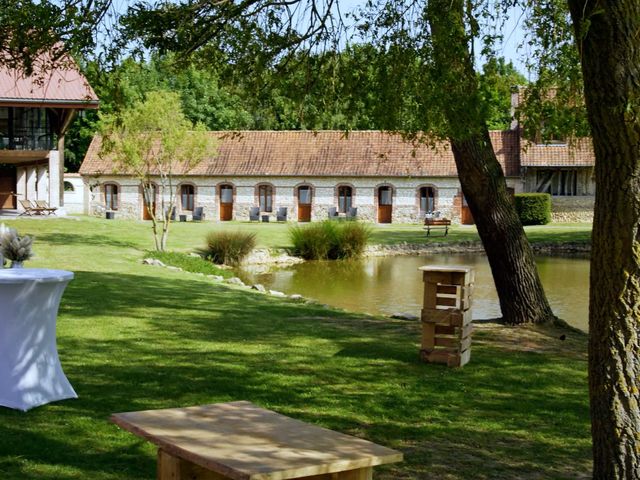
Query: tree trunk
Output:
(520,291)
(607,34)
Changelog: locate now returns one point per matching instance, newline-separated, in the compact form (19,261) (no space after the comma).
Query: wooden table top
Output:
(245,442)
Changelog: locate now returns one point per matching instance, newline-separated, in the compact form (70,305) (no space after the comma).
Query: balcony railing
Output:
(28,140)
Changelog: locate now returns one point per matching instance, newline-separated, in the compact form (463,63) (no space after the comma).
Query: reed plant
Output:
(228,248)
(329,240)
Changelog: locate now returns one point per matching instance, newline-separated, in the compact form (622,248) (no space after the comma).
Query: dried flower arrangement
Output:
(15,247)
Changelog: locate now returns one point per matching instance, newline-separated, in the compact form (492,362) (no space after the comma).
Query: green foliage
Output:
(329,240)
(188,263)
(495,83)
(154,139)
(533,208)
(228,248)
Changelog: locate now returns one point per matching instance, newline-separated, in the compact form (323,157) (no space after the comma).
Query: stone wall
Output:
(324,196)
(572,209)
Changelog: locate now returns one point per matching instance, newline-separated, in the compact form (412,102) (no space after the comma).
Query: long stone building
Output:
(311,173)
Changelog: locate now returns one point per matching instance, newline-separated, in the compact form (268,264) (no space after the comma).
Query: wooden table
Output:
(241,441)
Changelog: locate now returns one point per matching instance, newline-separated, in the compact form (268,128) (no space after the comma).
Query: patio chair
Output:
(42,204)
(281,216)
(254,214)
(198,214)
(352,213)
(333,213)
(29,209)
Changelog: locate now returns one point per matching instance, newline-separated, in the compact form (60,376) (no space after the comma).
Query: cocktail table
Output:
(241,441)
(30,370)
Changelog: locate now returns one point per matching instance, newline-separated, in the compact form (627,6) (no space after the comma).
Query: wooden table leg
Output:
(175,468)
(365,473)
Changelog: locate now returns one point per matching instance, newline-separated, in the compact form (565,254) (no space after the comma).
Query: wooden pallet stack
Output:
(446,315)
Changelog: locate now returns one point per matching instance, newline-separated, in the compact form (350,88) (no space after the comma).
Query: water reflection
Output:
(390,285)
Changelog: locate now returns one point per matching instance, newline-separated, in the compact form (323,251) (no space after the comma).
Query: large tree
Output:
(455,105)
(607,35)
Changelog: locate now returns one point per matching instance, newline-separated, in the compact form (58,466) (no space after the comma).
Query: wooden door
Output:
(385,212)
(7,188)
(151,206)
(466,218)
(304,213)
(304,203)
(465,213)
(226,203)
(385,204)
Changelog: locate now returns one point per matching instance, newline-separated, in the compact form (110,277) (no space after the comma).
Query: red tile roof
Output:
(324,154)
(60,85)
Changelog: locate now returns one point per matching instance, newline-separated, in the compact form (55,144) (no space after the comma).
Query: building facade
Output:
(317,174)
(35,113)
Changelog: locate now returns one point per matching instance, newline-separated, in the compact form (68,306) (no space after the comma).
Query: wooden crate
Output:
(446,315)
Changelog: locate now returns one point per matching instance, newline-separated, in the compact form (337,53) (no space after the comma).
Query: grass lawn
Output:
(190,235)
(134,337)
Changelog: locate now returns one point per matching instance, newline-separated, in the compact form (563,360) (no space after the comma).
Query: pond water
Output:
(388,285)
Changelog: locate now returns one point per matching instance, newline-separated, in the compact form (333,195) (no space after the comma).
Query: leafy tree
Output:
(496,82)
(430,72)
(152,140)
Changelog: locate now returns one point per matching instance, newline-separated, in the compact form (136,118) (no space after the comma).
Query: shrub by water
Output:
(228,248)
(329,240)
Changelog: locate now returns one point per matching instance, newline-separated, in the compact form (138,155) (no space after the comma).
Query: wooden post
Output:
(446,315)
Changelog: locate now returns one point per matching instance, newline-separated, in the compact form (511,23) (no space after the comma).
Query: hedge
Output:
(533,208)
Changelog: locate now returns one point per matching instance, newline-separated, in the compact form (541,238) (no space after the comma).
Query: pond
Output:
(388,285)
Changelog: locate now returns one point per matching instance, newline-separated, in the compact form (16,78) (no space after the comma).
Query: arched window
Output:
(345,196)
(111,196)
(265,198)
(187,197)
(68,187)
(427,199)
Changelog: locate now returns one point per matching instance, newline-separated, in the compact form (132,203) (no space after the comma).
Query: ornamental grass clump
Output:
(315,241)
(15,247)
(329,240)
(228,248)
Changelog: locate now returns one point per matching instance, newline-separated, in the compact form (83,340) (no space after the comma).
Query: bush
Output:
(329,240)
(188,263)
(228,248)
(533,208)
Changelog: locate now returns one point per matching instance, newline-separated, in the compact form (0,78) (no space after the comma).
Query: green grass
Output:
(134,337)
(191,235)
(188,263)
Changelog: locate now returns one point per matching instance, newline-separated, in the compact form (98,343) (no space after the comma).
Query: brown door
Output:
(7,188)
(149,207)
(304,203)
(226,203)
(465,213)
(385,204)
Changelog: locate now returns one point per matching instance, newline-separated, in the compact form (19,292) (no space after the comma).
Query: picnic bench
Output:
(431,223)
(241,441)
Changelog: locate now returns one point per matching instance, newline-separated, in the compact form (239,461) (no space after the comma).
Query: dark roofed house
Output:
(35,113)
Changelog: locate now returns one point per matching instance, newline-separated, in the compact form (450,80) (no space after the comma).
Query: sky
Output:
(513,33)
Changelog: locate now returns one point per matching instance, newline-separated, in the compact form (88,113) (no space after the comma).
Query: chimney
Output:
(515,103)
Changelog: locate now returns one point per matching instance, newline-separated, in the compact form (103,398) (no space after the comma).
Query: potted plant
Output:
(15,247)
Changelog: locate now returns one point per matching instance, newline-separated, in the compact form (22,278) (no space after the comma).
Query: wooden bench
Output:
(241,441)
(431,223)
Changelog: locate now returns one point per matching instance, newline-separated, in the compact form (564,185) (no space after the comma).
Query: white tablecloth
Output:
(30,371)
